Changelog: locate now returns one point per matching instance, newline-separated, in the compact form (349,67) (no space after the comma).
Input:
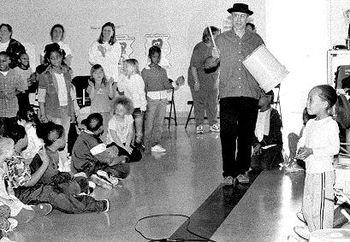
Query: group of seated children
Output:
(33,169)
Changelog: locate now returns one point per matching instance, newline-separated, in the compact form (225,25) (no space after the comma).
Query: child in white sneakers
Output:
(317,147)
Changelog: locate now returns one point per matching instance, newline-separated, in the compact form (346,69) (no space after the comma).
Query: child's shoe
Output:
(215,128)
(300,216)
(158,148)
(303,232)
(101,181)
(199,129)
(113,180)
(106,205)
(42,209)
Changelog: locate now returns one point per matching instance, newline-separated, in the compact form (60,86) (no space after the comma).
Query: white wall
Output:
(183,20)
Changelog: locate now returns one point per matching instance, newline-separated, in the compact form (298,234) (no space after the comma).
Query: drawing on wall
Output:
(125,42)
(162,41)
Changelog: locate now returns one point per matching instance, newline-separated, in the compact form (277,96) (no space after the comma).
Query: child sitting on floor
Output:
(121,128)
(267,143)
(14,173)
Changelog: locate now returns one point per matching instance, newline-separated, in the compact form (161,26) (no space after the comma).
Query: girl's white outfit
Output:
(110,61)
(318,206)
(134,88)
(34,142)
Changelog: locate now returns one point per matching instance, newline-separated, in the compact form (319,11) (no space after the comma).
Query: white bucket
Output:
(330,235)
(265,68)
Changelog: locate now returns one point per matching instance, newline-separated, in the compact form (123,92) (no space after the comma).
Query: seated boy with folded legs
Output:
(91,156)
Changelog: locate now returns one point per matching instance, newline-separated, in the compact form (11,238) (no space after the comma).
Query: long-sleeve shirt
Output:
(109,62)
(9,85)
(322,136)
(134,88)
(235,79)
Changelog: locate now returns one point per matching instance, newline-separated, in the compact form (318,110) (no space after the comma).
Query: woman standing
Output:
(203,82)
(106,52)
(57,36)
(11,46)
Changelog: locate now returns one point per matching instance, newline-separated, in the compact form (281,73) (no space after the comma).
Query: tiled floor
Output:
(185,180)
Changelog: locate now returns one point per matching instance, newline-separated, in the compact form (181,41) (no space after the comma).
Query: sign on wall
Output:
(162,41)
(125,42)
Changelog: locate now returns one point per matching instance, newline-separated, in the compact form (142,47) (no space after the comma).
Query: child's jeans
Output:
(138,120)
(155,114)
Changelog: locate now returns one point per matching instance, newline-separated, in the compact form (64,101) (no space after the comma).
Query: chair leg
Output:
(175,119)
(189,116)
(171,109)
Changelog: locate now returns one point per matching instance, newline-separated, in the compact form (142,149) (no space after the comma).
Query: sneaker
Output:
(113,180)
(199,129)
(101,181)
(303,232)
(215,128)
(300,216)
(42,209)
(243,178)
(158,148)
(105,203)
(228,181)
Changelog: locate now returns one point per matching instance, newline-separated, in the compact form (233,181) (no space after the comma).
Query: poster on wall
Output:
(125,42)
(162,41)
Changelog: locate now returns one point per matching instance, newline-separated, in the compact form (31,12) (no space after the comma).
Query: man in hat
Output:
(239,95)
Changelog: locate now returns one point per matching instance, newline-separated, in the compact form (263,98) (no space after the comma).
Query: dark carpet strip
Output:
(210,215)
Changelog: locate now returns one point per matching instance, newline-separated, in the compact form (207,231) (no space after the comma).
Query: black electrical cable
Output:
(168,239)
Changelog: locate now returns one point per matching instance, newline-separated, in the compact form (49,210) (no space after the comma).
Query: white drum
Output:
(265,68)
(330,235)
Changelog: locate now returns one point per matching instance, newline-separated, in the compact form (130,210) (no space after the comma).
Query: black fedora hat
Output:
(240,7)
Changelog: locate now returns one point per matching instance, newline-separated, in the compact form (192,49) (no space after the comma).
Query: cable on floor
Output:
(168,239)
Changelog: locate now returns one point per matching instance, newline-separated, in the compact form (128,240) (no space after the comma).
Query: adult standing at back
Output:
(203,82)
(57,36)
(239,95)
(106,52)
(13,48)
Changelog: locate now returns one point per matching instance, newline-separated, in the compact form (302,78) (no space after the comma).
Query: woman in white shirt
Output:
(106,52)
(57,36)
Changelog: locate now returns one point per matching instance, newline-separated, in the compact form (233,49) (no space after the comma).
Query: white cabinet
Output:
(336,58)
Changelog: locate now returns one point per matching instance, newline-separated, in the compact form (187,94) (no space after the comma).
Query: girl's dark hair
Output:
(8,27)
(251,25)
(112,39)
(57,26)
(54,47)
(27,114)
(14,131)
(93,122)
(126,102)
(95,68)
(206,34)
(49,132)
(154,49)
(328,94)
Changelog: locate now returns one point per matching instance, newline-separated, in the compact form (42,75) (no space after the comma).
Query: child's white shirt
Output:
(134,88)
(322,136)
(34,143)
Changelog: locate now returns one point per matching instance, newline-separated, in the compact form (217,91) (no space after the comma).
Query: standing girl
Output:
(57,35)
(121,128)
(106,52)
(100,92)
(156,84)
(317,147)
(55,93)
(133,87)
